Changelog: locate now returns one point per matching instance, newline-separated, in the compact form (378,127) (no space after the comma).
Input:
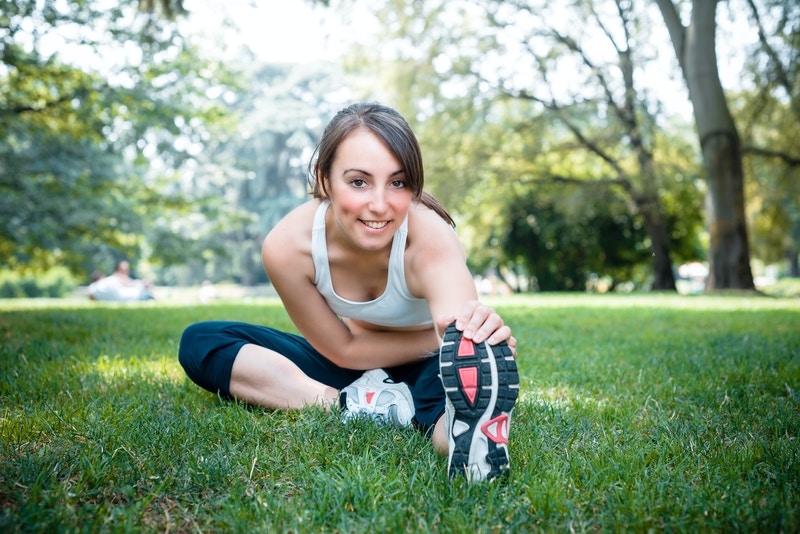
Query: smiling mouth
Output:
(375,225)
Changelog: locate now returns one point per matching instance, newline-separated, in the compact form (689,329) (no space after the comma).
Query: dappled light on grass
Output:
(636,413)
(117,371)
(561,398)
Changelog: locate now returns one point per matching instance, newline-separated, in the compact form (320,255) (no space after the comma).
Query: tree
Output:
(695,48)
(625,145)
(563,234)
(76,175)
(583,73)
(260,168)
(769,116)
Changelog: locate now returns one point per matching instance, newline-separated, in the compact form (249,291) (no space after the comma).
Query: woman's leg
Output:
(263,377)
(259,365)
(439,437)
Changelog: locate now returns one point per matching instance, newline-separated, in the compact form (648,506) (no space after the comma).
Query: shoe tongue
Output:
(384,397)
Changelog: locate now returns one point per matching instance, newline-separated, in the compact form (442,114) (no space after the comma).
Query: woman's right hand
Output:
(481,323)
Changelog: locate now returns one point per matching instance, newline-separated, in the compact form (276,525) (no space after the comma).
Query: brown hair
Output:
(395,133)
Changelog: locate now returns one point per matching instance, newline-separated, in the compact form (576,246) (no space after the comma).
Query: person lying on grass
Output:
(120,287)
(363,269)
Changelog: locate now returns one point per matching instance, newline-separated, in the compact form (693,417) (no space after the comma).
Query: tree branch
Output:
(677,31)
(573,46)
(584,141)
(560,178)
(790,160)
(783,78)
(18,110)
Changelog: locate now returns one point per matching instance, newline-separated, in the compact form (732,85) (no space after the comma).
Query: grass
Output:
(637,413)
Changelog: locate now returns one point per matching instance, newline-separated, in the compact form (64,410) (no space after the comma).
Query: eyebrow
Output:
(361,171)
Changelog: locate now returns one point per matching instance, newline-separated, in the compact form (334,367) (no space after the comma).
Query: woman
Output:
(374,278)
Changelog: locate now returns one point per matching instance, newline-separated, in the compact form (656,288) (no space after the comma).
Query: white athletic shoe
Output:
(376,396)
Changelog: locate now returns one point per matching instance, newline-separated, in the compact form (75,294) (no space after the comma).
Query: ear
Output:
(321,189)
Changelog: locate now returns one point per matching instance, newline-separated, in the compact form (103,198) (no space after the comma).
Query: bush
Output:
(785,287)
(54,283)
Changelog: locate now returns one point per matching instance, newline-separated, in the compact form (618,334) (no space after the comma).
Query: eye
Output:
(399,184)
(358,183)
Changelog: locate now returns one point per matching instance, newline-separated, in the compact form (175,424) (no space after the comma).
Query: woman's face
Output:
(368,190)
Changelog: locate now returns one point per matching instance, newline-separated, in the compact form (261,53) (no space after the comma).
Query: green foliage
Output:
(506,97)
(77,179)
(53,283)
(637,413)
(257,171)
(784,288)
(564,235)
(768,116)
(769,130)
(72,196)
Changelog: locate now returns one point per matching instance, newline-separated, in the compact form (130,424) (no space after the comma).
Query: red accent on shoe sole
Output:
(370,394)
(496,429)
(469,382)
(466,348)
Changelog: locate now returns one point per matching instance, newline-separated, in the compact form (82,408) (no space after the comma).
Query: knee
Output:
(190,348)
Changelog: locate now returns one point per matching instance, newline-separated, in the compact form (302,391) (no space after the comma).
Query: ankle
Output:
(332,399)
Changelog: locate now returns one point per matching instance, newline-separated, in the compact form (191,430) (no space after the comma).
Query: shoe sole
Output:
(482,384)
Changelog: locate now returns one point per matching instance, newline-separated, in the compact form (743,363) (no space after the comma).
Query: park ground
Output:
(637,413)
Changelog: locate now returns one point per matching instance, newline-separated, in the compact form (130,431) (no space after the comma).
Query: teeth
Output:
(375,224)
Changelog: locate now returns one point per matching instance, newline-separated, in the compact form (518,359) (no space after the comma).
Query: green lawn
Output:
(637,413)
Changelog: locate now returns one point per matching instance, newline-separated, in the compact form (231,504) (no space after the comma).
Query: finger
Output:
(493,327)
(466,314)
(503,333)
(483,322)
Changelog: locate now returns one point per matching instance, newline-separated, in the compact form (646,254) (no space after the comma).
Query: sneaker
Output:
(481,384)
(376,396)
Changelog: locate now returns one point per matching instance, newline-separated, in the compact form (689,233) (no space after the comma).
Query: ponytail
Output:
(428,201)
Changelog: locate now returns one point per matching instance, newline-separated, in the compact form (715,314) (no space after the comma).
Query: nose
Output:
(377,201)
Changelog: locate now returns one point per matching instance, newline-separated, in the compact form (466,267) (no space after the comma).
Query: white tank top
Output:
(395,307)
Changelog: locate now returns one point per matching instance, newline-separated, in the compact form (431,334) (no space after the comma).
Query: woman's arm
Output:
(437,270)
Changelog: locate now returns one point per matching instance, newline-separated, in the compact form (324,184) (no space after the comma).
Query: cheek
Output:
(402,200)
(348,202)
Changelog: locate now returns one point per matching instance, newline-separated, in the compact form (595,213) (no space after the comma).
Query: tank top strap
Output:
(397,269)
(319,248)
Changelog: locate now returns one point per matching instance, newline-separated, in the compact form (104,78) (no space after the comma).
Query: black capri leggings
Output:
(208,349)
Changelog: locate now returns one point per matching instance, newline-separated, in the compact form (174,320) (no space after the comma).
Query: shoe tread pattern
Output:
(507,386)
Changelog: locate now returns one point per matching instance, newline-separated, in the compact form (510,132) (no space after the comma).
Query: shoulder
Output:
(428,232)
(433,250)
(289,242)
(294,225)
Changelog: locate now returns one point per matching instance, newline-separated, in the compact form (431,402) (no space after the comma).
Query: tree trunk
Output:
(728,257)
(729,254)
(793,256)
(663,276)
